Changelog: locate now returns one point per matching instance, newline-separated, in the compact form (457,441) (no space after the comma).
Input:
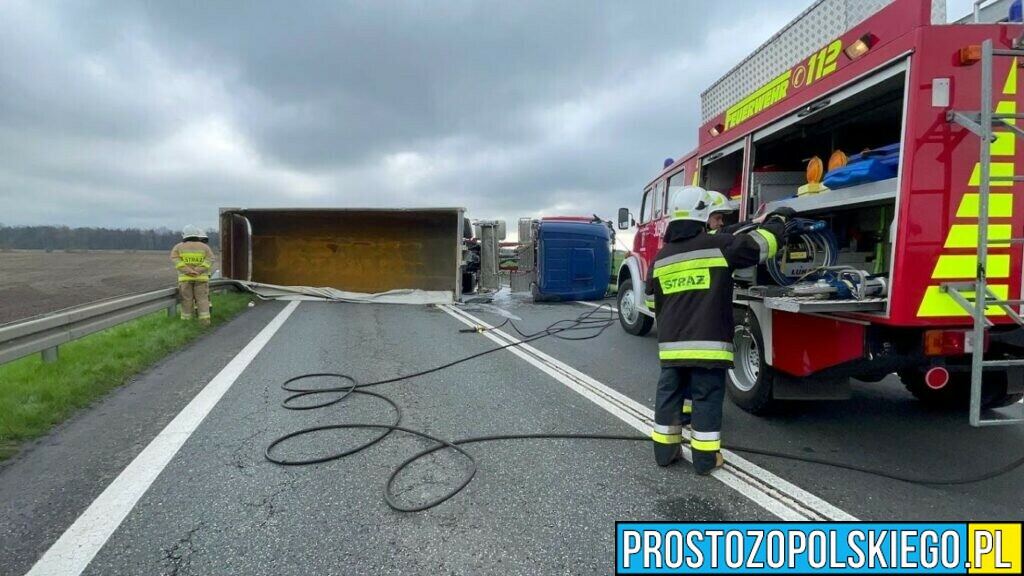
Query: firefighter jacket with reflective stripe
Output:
(193,260)
(691,281)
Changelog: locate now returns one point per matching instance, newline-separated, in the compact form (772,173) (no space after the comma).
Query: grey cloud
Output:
(129,113)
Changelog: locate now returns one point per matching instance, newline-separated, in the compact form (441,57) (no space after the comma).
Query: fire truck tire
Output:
(1005,400)
(994,393)
(751,379)
(633,321)
(957,394)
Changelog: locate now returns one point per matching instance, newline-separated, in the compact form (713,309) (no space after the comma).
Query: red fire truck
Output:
(893,289)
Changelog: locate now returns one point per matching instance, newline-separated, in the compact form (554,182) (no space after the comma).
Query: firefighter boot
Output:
(667,454)
(719,462)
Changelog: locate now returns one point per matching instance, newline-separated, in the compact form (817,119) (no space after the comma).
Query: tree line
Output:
(66,238)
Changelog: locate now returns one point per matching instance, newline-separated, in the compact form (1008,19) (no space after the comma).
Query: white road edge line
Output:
(778,496)
(75,549)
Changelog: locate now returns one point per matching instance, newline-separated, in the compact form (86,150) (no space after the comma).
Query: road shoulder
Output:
(55,478)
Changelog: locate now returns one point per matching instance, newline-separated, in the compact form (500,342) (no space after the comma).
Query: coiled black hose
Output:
(592,328)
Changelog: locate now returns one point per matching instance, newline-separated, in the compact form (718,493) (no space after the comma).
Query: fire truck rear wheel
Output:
(957,393)
(751,379)
(633,321)
(995,392)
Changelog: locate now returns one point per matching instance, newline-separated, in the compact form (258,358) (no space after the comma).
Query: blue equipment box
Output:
(872,166)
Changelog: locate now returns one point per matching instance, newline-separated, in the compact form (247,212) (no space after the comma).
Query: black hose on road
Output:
(592,328)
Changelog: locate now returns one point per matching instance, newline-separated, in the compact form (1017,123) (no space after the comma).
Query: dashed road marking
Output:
(778,496)
(73,551)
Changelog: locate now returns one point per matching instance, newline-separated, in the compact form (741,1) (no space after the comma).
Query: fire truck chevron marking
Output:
(964,266)
(999,206)
(966,235)
(1010,87)
(997,170)
(936,303)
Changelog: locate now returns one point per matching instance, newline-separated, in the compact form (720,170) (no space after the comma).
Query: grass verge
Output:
(35,396)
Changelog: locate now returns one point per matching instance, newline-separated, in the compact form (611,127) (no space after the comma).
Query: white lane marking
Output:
(595,305)
(75,549)
(778,496)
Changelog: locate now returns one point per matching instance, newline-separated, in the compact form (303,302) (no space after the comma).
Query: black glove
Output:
(776,225)
(783,213)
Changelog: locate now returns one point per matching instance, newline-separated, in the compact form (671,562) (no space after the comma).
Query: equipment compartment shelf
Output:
(808,304)
(855,196)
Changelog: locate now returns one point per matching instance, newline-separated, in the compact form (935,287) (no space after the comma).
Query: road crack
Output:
(178,558)
(267,505)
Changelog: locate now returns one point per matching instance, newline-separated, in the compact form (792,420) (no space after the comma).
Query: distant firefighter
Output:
(193,259)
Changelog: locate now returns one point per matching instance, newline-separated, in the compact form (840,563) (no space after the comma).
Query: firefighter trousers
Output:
(706,387)
(194,296)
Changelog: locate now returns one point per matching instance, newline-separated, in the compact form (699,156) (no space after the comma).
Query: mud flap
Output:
(788,387)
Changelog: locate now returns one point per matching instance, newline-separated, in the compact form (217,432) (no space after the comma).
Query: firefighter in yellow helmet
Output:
(691,281)
(193,260)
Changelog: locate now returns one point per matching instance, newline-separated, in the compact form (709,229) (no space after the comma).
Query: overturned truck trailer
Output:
(361,250)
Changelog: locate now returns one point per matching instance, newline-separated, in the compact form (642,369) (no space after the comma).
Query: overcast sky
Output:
(155,114)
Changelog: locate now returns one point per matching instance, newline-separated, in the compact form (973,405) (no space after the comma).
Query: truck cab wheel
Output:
(751,379)
(632,319)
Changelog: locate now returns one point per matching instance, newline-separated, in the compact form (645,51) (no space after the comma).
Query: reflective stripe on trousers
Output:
(706,441)
(670,434)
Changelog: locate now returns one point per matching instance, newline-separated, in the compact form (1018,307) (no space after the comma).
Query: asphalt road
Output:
(882,427)
(539,506)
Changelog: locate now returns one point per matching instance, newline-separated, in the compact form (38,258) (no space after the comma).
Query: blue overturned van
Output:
(573,259)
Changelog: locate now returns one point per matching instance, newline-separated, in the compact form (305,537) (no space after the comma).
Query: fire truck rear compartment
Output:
(860,216)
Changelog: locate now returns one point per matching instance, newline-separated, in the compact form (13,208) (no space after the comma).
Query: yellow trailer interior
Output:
(357,250)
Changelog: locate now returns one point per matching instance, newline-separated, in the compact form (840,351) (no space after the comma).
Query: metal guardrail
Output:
(47,332)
